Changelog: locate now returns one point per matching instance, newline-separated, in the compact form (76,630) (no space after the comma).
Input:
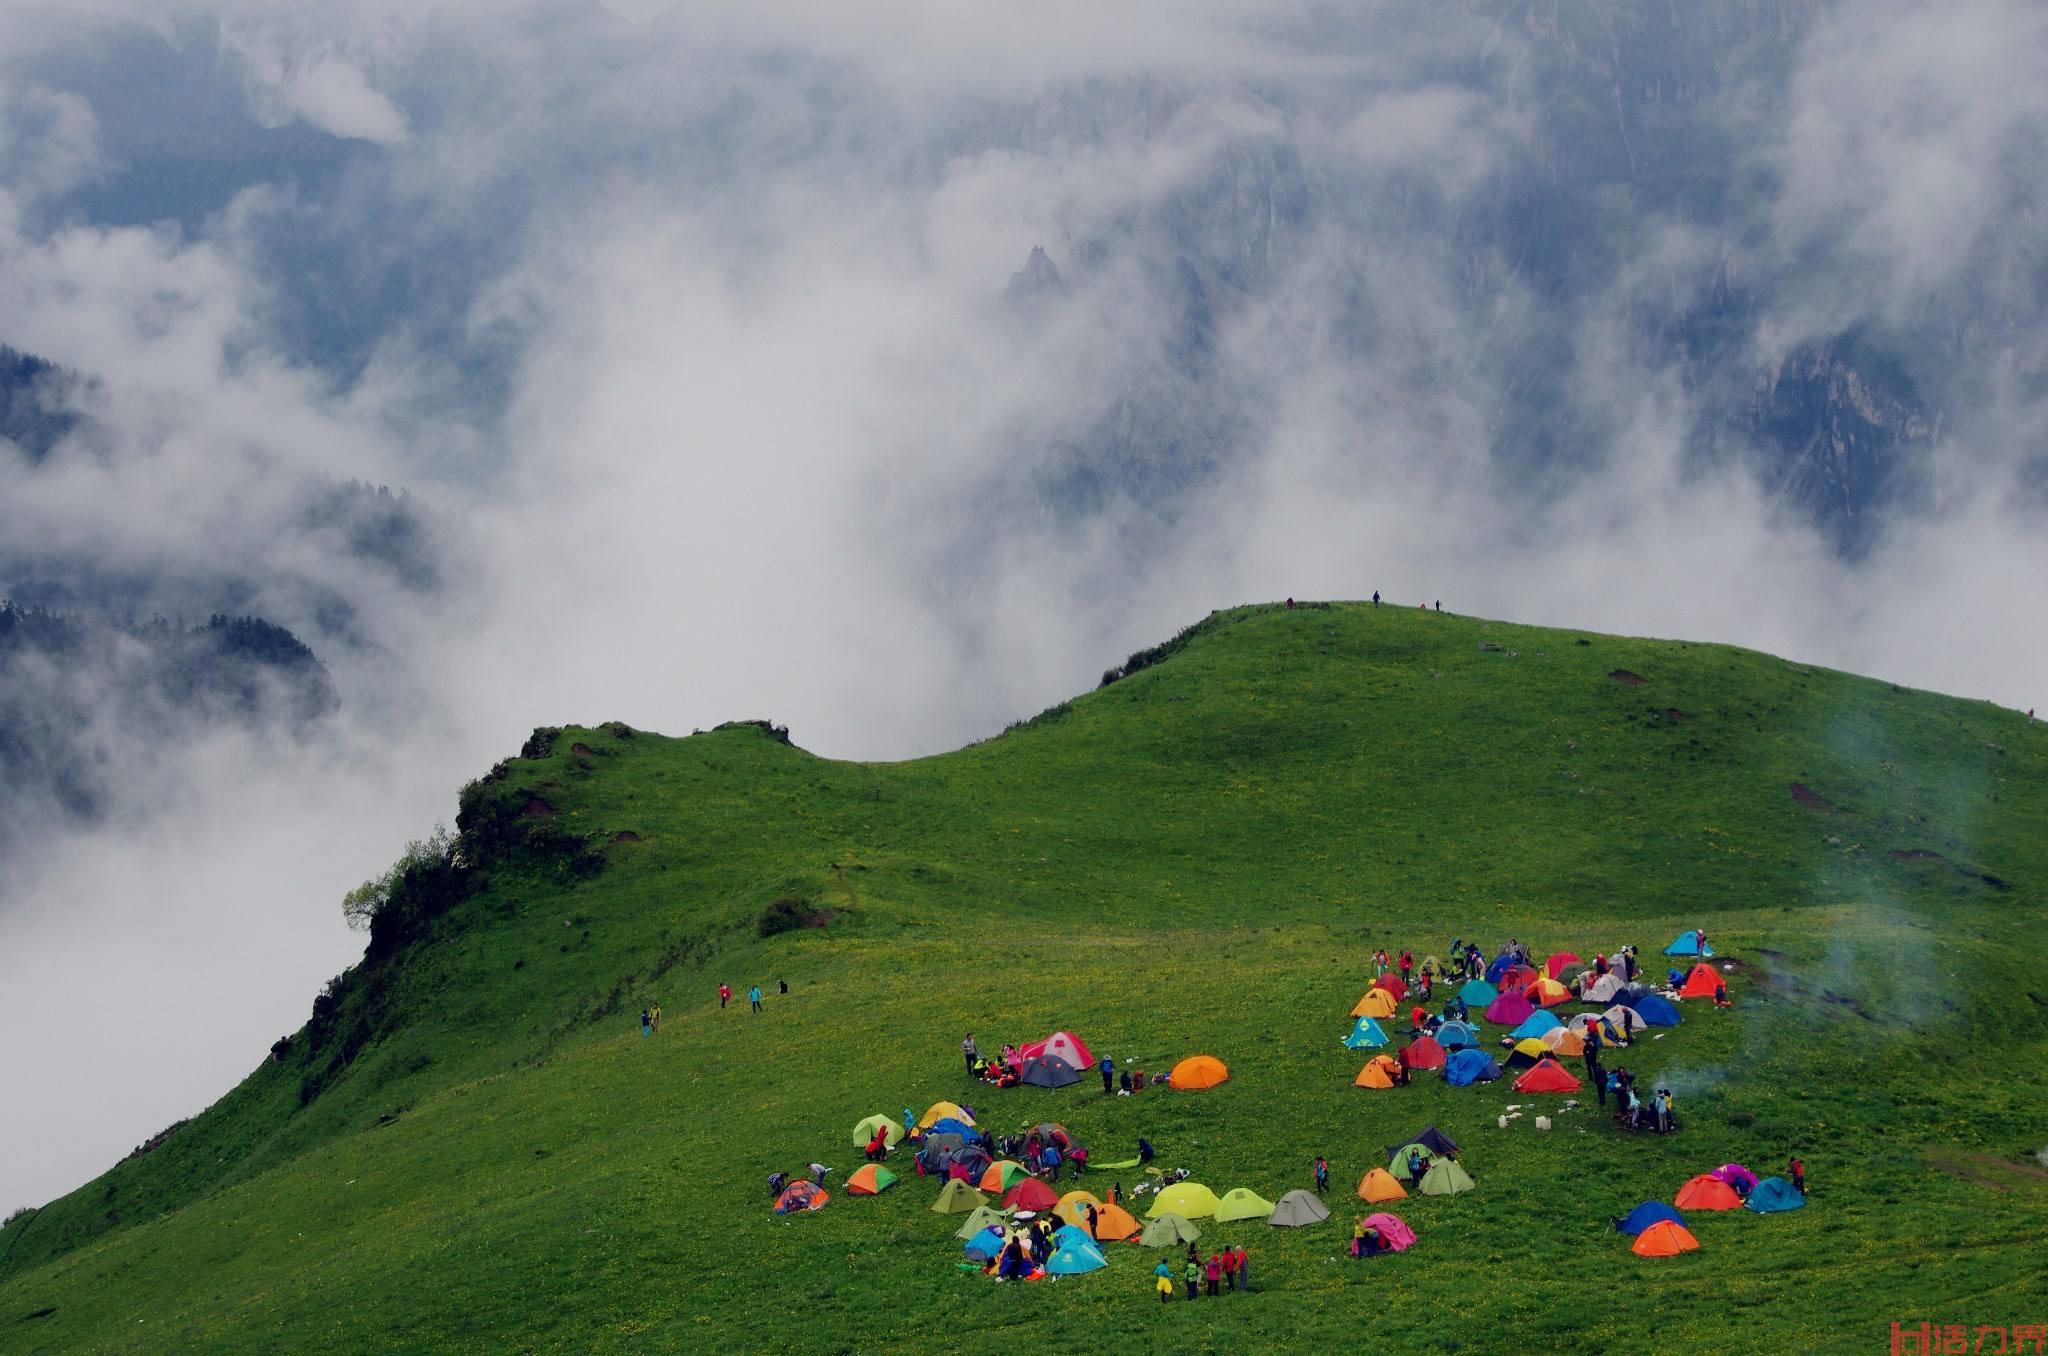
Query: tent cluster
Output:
(1660,1230)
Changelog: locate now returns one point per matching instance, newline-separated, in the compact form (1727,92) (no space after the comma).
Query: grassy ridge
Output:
(1197,857)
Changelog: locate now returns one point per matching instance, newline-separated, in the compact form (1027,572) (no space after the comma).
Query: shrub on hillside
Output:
(435,852)
(786,915)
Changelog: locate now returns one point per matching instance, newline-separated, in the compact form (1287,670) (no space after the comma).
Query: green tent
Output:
(1445,1178)
(984,1217)
(865,1131)
(957,1199)
(1242,1203)
(1168,1229)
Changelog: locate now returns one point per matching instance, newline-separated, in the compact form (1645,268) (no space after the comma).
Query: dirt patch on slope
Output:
(1986,1170)
(625,836)
(536,808)
(1627,679)
(1812,799)
(1917,855)
(1675,716)
(582,751)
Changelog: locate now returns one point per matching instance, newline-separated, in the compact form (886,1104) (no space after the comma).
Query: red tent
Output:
(1558,960)
(1424,1053)
(1547,1075)
(1516,977)
(1030,1194)
(1701,983)
(1393,984)
(1064,1045)
(1708,1192)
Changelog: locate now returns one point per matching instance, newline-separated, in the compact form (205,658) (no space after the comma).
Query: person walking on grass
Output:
(646,1024)
(1163,1282)
(970,1052)
(754,997)
(724,995)
(1322,1175)
(655,1014)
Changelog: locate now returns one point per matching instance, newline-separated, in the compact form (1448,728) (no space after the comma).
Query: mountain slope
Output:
(472,1148)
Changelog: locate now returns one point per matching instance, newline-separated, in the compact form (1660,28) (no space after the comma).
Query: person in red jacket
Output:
(724,994)
(1230,1268)
(1418,1019)
(1407,964)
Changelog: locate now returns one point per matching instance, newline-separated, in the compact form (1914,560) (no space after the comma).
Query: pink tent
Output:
(1061,1045)
(1393,1233)
(1510,1009)
(1734,1174)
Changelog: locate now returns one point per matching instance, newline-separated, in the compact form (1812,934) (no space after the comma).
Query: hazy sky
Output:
(695,332)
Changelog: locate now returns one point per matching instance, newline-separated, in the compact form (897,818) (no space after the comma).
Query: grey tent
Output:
(1167,1230)
(1603,989)
(1297,1208)
(1048,1072)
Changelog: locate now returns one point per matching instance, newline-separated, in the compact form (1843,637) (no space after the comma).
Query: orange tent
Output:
(1563,1040)
(870,1181)
(1701,983)
(1393,984)
(1376,1003)
(1198,1071)
(1664,1239)
(1547,993)
(1423,1053)
(1380,1185)
(998,1175)
(1114,1223)
(1706,1192)
(1547,1076)
(1378,1073)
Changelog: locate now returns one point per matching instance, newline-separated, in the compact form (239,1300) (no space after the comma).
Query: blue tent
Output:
(1655,1011)
(1501,965)
(1688,944)
(1365,1034)
(1470,1066)
(1477,993)
(1772,1194)
(948,1125)
(1071,1259)
(1072,1233)
(1456,1036)
(1535,1024)
(986,1244)
(1648,1213)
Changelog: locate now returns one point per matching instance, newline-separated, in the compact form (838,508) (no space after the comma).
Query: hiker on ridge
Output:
(724,994)
(754,997)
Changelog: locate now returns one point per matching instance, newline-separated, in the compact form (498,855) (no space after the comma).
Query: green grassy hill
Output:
(472,1148)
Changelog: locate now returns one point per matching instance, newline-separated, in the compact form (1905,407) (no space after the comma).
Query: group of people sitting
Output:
(1229,1269)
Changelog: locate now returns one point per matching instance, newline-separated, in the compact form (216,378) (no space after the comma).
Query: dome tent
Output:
(1603,989)
(1298,1208)
(1477,993)
(1547,993)
(1030,1194)
(1445,1178)
(1704,981)
(1168,1229)
(1376,1003)
(1380,1185)
(1646,1214)
(1772,1195)
(1378,1072)
(1664,1239)
(1510,1009)
(1654,1011)
(1061,1045)
(1113,1224)
(1547,1076)
(1707,1192)
(1688,944)
(1535,1024)
(1073,1207)
(1365,1035)
(1470,1066)
(1554,966)
(942,1111)
(1423,1053)
(1001,1175)
(1197,1072)
(1395,1234)
(958,1198)
(798,1197)
(871,1180)
(1074,1258)
(1430,1138)
(1190,1200)
(864,1131)
(984,1217)
(1393,984)
(1048,1071)
(1456,1036)
(1242,1203)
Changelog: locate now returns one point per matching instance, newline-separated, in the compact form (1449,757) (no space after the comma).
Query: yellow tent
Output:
(1379,1185)
(1242,1203)
(1189,1200)
(1376,1003)
(1073,1207)
(1377,1073)
(1547,993)
(1530,1045)
(865,1130)
(939,1111)
(1198,1071)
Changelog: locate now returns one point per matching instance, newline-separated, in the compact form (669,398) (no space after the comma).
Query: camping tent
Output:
(1365,1035)
(1190,1200)
(1554,966)
(798,1197)
(957,1198)
(864,1131)
(1001,1175)
(1430,1138)
(986,1245)
(1297,1208)
(940,1111)
(1074,1258)
(1646,1214)
(941,1144)
(1547,1076)
(1735,1175)
(1198,1071)
(1774,1194)
(1572,974)
(1655,1011)
(1394,1231)
(1113,1224)
(1547,993)
(1563,1041)
(984,1216)
(1060,1045)
(1498,967)
(1470,1066)
(1707,1192)
(950,1125)
(1629,993)
(1516,978)
(1445,1178)
(1376,1003)
(1380,1185)
(1430,965)
(1423,1053)
(1052,1132)
(872,1180)
(1535,1024)
(1456,1036)
(1477,993)
(1030,1194)
(1393,984)
(1701,983)
(1624,1018)
(1168,1229)
(1664,1239)
(1047,1071)
(1072,1233)
(1378,1073)
(1688,944)
(1242,1203)
(1603,989)
(1510,1009)
(1073,1207)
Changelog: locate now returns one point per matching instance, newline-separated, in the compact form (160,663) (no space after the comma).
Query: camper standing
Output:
(970,1052)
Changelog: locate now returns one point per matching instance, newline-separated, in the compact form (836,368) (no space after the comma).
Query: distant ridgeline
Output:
(31,415)
(86,702)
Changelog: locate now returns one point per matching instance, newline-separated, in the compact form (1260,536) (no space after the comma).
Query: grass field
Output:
(1197,858)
